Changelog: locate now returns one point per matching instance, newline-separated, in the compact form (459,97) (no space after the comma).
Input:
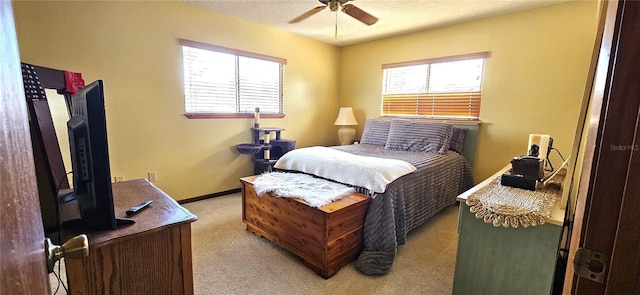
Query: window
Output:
(448,87)
(227,83)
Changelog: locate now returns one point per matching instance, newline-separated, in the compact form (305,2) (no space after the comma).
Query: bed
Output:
(441,173)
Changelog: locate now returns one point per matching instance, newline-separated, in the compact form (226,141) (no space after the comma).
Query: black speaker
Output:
(518,181)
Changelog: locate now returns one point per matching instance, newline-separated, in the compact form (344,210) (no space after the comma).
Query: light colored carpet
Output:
(229,260)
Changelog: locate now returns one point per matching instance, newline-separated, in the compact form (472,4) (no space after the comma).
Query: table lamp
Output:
(345,120)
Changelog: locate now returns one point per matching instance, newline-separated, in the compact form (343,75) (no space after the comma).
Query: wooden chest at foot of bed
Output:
(325,238)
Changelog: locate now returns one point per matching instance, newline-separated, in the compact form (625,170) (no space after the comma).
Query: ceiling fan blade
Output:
(359,14)
(307,14)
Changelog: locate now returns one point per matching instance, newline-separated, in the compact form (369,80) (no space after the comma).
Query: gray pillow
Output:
(375,131)
(456,143)
(416,136)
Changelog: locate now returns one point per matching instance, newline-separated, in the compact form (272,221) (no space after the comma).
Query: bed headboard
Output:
(470,141)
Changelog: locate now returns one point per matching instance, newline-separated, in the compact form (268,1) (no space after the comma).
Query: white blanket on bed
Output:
(371,173)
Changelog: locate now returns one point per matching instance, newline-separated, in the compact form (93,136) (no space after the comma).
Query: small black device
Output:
(135,209)
(534,150)
(518,181)
(528,167)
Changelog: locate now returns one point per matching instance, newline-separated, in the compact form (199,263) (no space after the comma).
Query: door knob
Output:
(75,248)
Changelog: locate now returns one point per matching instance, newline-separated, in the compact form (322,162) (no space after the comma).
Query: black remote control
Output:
(135,209)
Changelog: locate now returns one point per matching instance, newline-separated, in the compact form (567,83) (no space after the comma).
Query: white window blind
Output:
(220,80)
(442,87)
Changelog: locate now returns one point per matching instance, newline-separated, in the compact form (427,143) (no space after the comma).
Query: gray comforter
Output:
(408,202)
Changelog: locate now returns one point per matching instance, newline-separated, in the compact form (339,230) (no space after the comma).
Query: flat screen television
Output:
(90,161)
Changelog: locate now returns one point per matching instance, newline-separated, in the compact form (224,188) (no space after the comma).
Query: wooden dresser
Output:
(152,256)
(325,238)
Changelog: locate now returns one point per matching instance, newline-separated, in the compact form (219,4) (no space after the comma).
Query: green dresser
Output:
(505,261)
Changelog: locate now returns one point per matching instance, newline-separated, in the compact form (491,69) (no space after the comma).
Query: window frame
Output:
(221,49)
(474,97)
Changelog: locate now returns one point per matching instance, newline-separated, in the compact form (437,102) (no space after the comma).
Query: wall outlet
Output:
(118,178)
(152,176)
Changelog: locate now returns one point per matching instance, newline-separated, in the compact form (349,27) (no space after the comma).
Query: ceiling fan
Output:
(334,5)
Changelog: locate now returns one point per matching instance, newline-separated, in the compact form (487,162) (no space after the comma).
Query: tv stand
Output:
(150,256)
(80,226)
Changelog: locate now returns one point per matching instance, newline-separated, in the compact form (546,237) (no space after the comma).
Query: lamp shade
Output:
(346,117)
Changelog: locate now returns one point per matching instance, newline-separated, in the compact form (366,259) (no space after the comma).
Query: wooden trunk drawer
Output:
(325,238)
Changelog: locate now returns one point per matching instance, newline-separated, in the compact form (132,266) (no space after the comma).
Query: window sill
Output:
(456,121)
(231,116)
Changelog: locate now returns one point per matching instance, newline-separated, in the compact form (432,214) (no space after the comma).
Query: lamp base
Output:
(346,134)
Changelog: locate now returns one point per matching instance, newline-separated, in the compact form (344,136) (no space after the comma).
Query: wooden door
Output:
(22,256)
(609,193)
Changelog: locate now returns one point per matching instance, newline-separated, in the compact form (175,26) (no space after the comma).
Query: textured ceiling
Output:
(396,17)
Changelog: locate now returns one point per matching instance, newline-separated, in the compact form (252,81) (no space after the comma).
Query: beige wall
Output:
(533,82)
(133,47)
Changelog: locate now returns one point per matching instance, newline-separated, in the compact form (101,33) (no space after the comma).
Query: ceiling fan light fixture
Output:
(334,5)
